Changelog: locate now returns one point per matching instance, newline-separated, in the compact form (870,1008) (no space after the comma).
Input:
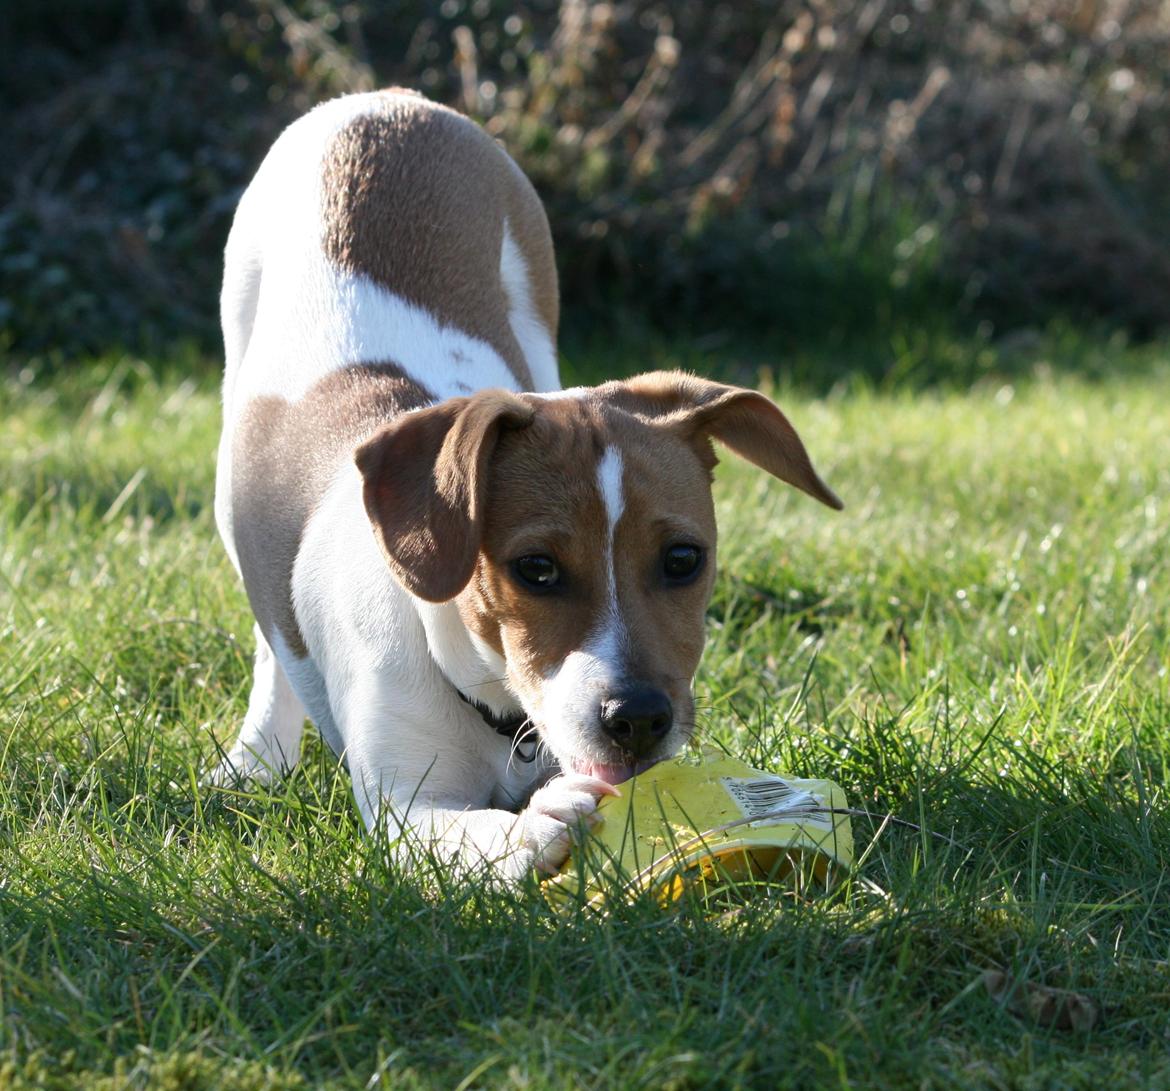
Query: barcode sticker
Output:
(776,800)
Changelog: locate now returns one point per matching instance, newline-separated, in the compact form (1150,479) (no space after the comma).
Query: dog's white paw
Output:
(555,812)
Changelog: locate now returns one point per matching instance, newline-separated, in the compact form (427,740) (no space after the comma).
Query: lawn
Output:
(977,646)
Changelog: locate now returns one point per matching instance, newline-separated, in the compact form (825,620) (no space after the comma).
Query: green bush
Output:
(842,169)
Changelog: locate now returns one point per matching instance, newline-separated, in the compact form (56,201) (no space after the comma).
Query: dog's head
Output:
(577,535)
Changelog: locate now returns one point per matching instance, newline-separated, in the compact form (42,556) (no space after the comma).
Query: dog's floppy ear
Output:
(424,481)
(744,420)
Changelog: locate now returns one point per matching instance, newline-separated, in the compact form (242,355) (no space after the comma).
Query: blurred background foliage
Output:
(828,169)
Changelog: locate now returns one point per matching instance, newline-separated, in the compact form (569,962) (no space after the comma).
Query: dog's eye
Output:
(537,572)
(681,563)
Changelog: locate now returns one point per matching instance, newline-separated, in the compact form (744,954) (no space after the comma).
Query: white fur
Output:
(381,679)
(530,332)
(272,275)
(418,754)
(356,321)
(568,392)
(609,484)
(571,698)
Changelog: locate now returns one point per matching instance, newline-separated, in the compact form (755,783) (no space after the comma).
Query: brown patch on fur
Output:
(415,197)
(284,456)
(425,487)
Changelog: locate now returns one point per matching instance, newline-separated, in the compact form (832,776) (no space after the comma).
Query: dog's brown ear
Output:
(744,420)
(424,481)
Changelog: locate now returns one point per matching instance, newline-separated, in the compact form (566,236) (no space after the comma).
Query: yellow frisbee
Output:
(715,825)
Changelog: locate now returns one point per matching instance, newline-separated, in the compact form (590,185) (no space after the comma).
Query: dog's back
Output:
(366,210)
(388,254)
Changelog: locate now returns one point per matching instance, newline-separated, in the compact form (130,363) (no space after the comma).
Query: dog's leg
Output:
(416,774)
(511,846)
(269,743)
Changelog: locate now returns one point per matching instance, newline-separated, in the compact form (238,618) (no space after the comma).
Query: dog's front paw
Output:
(554,812)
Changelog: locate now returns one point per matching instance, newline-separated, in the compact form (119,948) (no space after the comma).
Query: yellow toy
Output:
(718,825)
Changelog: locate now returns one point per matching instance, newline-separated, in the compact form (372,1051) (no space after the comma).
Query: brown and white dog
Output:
(486,592)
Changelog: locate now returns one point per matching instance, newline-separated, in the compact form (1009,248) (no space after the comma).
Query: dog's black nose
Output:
(636,719)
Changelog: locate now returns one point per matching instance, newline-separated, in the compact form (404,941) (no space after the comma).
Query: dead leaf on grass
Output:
(1061,1009)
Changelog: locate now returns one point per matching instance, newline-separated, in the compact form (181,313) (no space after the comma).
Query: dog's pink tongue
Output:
(615,774)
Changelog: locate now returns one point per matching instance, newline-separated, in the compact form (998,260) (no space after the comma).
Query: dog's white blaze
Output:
(609,643)
(609,483)
(531,334)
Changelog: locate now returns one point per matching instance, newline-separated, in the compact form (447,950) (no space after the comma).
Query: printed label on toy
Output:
(773,799)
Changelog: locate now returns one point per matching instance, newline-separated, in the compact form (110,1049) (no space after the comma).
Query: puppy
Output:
(486,592)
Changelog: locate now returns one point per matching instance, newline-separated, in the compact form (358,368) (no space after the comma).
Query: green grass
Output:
(977,645)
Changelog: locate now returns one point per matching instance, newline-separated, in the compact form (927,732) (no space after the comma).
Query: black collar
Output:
(510,726)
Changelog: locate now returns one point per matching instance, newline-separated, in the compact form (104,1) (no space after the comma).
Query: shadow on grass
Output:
(266,925)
